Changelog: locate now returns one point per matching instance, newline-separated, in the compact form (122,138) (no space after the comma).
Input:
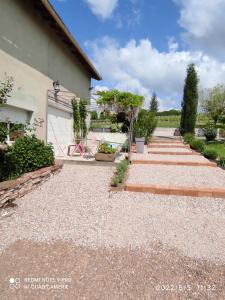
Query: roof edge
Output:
(94,73)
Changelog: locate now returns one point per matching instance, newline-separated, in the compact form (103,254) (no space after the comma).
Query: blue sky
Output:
(144,46)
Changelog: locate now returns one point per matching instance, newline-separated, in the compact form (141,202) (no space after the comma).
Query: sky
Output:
(145,46)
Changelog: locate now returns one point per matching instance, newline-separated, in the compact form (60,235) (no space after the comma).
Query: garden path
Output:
(104,245)
(170,167)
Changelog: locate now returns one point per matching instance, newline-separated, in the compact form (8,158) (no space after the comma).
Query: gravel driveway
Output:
(113,245)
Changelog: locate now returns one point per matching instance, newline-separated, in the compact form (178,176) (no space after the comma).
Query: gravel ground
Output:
(93,235)
(178,175)
(183,158)
(76,205)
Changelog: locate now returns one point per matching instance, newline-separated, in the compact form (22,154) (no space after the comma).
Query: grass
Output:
(174,121)
(120,173)
(219,147)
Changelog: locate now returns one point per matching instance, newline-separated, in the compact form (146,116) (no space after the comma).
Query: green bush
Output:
(3,133)
(27,154)
(106,148)
(114,128)
(188,138)
(198,145)
(210,132)
(222,161)
(210,153)
(120,173)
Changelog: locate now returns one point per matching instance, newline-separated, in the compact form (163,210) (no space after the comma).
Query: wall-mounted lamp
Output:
(56,86)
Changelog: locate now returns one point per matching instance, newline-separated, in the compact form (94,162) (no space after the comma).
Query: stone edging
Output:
(176,190)
(17,188)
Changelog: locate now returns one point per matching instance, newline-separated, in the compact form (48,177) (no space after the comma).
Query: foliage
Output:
(154,104)
(115,128)
(106,148)
(120,173)
(188,138)
(145,124)
(118,101)
(210,153)
(213,102)
(198,145)
(83,116)
(171,112)
(219,147)
(190,101)
(76,118)
(94,115)
(28,153)
(6,87)
(3,133)
(222,161)
(210,132)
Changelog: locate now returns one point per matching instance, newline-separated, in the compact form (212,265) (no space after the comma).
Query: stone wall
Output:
(17,188)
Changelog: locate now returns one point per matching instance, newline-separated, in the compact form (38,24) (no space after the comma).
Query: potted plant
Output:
(140,136)
(105,152)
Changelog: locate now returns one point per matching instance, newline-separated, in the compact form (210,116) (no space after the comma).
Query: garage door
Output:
(60,130)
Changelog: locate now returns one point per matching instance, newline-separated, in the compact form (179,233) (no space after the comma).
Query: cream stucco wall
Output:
(32,53)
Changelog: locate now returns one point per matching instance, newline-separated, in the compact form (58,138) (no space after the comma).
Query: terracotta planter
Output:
(105,157)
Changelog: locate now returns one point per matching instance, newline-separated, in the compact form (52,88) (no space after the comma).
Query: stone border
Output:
(176,190)
(10,190)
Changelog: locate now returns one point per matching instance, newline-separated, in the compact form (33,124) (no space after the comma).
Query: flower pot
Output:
(105,157)
(140,144)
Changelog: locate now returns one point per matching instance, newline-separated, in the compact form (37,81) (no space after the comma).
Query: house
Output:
(48,67)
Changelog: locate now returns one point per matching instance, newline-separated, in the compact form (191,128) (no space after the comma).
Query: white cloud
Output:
(141,68)
(204,24)
(102,8)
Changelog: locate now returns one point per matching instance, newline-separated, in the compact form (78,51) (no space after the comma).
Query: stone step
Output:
(174,153)
(176,190)
(167,146)
(174,163)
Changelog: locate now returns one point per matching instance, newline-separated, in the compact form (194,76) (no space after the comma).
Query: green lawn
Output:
(174,121)
(218,146)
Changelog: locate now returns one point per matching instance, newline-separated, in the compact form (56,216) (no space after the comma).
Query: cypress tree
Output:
(154,104)
(76,119)
(83,116)
(190,101)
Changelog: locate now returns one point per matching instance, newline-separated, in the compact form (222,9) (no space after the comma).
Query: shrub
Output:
(210,132)
(197,145)
(210,153)
(3,133)
(106,148)
(27,154)
(222,161)
(120,173)
(114,128)
(188,138)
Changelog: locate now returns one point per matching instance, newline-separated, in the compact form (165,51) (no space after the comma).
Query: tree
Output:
(76,119)
(154,104)
(118,101)
(83,116)
(94,115)
(190,101)
(6,87)
(213,102)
